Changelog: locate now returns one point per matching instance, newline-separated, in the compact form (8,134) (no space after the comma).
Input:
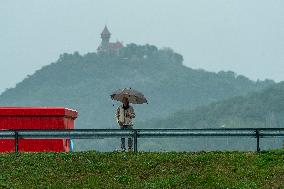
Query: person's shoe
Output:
(130,149)
(123,149)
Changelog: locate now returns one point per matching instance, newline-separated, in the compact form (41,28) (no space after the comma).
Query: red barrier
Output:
(36,118)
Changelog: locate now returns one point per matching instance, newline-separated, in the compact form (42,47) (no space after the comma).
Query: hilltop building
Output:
(105,45)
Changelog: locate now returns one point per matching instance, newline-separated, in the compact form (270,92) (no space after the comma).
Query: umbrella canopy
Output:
(134,96)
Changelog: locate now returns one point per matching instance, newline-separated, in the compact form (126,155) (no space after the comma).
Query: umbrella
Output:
(134,96)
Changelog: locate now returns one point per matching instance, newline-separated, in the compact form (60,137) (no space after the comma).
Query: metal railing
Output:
(140,133)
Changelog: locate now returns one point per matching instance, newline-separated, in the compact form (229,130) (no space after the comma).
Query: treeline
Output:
(257,109)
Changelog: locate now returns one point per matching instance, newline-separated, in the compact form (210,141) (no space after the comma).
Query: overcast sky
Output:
(245,36)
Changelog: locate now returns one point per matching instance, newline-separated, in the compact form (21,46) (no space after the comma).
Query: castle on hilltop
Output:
(105,45)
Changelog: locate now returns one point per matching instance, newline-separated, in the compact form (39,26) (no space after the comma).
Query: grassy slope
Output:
(143,170)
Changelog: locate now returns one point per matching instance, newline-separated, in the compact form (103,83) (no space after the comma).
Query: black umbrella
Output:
(134,96)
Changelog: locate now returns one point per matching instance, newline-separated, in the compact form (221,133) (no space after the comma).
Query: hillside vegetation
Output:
(143,170)
(84,83)
(258,109)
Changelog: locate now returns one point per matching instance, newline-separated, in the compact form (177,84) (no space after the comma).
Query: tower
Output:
(106,46)
(105,35)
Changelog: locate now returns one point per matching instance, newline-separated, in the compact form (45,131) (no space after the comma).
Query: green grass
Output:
(143,170)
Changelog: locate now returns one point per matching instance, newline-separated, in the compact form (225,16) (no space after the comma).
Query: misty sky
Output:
(245,36)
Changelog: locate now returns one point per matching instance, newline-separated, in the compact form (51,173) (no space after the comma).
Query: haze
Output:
(244,36)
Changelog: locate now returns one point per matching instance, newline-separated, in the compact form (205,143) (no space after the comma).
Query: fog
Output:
(246,37)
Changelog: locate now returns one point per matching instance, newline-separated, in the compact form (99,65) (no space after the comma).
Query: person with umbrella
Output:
(125,113)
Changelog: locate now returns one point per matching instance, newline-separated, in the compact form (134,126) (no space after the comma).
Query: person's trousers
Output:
(130,140)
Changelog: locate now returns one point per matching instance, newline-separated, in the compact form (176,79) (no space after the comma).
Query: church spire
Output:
(105,33)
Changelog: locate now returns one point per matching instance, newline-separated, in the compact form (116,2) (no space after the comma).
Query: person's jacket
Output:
(125,115)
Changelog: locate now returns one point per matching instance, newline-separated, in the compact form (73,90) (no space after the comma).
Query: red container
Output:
(48,118)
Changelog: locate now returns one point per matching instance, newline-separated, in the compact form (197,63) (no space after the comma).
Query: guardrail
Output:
(140,133)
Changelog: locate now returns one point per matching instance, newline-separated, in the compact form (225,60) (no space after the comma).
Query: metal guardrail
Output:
(140,133)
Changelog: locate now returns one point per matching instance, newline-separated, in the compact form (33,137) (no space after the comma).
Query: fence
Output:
(140,133)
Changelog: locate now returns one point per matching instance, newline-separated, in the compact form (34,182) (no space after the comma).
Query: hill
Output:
(142,170)
(257,109)
(84,83)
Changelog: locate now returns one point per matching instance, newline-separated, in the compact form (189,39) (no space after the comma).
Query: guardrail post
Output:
(16,141)
(135,136)
(257,140)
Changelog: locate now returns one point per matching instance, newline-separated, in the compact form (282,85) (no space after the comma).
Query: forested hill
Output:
(258,109)
(84,83)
